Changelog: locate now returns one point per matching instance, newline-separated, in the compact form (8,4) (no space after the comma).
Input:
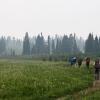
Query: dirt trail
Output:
(89,90)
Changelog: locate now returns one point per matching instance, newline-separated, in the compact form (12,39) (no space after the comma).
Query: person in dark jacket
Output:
(87,62)
(96,62)
(80,60)
(72,60)
(97,69)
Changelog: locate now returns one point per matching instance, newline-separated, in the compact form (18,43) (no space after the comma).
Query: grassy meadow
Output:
(93,96)
(38,80)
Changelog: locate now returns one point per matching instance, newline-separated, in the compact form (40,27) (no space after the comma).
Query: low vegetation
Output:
(92,96)
(38,80)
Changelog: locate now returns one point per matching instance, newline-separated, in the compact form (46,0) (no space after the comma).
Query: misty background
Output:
(56,45)
(46,27)
(49,17)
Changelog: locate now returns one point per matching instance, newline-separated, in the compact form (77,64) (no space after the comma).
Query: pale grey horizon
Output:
(50,17)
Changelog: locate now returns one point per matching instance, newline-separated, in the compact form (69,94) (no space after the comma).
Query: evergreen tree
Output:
(49,44)
(33,50)
(71,38)
(40,44)
(53,46)
(58,46)
(96,45)
(33,45)
(26,45)
(75,48)
(99,43)
(65,47)
(89,45)
(2,46)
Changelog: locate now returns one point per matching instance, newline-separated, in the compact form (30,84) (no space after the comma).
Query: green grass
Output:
(93,96)
(37,80)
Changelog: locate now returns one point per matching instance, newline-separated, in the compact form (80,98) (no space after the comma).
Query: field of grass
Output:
(93,96)
(38,80)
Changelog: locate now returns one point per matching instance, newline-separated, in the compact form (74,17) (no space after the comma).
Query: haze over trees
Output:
(92,45)
(26,45)
(39,46)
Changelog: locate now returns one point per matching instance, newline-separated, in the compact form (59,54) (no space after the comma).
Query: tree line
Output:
(92,45)
(39,46)
(57,45)
(10,46)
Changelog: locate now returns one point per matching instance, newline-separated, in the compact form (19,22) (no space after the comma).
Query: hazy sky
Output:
(49,17)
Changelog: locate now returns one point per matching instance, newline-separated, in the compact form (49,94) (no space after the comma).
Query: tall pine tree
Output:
(26,45)
(89,45)
(40,44)
(96,45)
(2,45)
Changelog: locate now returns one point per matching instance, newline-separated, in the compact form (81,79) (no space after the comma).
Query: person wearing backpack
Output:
(80,60)
(97,69)
(88,62)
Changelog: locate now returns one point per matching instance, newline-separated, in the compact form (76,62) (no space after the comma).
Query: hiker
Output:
(97,69)
(87,62)
(80,60)
(96,62)
(72,60)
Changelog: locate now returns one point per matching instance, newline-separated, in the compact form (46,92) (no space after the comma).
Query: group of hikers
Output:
(79,61)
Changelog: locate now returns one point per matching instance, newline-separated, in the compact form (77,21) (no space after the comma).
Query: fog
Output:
(49,16)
